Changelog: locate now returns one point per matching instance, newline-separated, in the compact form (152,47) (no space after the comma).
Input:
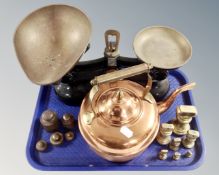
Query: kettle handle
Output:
(148,85)
(124,73)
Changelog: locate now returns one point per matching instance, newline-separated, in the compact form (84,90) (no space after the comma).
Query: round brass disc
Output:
(162,47)
(50,41)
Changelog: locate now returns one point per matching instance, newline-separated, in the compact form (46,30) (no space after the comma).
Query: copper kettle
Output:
(119,118)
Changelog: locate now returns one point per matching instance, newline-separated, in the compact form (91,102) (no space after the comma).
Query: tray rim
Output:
(42,167)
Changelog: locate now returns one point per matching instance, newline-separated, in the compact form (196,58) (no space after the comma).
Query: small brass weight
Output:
(164,135)
(41,145)
(189,140)
(68,121)
(175,144)
(163,154)
(56,138)
(176,155)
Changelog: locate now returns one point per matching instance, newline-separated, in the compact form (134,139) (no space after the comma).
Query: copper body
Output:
(50,41)
(118,120)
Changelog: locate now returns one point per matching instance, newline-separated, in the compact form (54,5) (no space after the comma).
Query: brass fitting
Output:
(112,47)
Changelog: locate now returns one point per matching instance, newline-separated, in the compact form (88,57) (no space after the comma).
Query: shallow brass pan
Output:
(50,41)
(163,47)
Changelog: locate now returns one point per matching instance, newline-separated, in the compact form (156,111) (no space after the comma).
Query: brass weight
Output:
(175,144)
(41,145)
(176,155)
(56,138)
(184,115)
(49,120)
(164,135)
(163,154)
(68,121)
(189,140)
(69,136)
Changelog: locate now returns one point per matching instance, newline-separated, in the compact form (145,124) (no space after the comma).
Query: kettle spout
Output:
(164,105)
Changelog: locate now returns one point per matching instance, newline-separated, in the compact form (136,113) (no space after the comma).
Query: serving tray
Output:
(76,155)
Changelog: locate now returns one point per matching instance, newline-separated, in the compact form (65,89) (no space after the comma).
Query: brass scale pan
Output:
(51,40)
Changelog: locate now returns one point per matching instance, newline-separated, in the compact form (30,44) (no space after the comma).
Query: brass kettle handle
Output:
(148,85)
(122,74)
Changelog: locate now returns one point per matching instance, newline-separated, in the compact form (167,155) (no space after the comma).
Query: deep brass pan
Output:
(162,47)
(50,41)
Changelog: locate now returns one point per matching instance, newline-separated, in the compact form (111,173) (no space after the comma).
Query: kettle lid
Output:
(119,106)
